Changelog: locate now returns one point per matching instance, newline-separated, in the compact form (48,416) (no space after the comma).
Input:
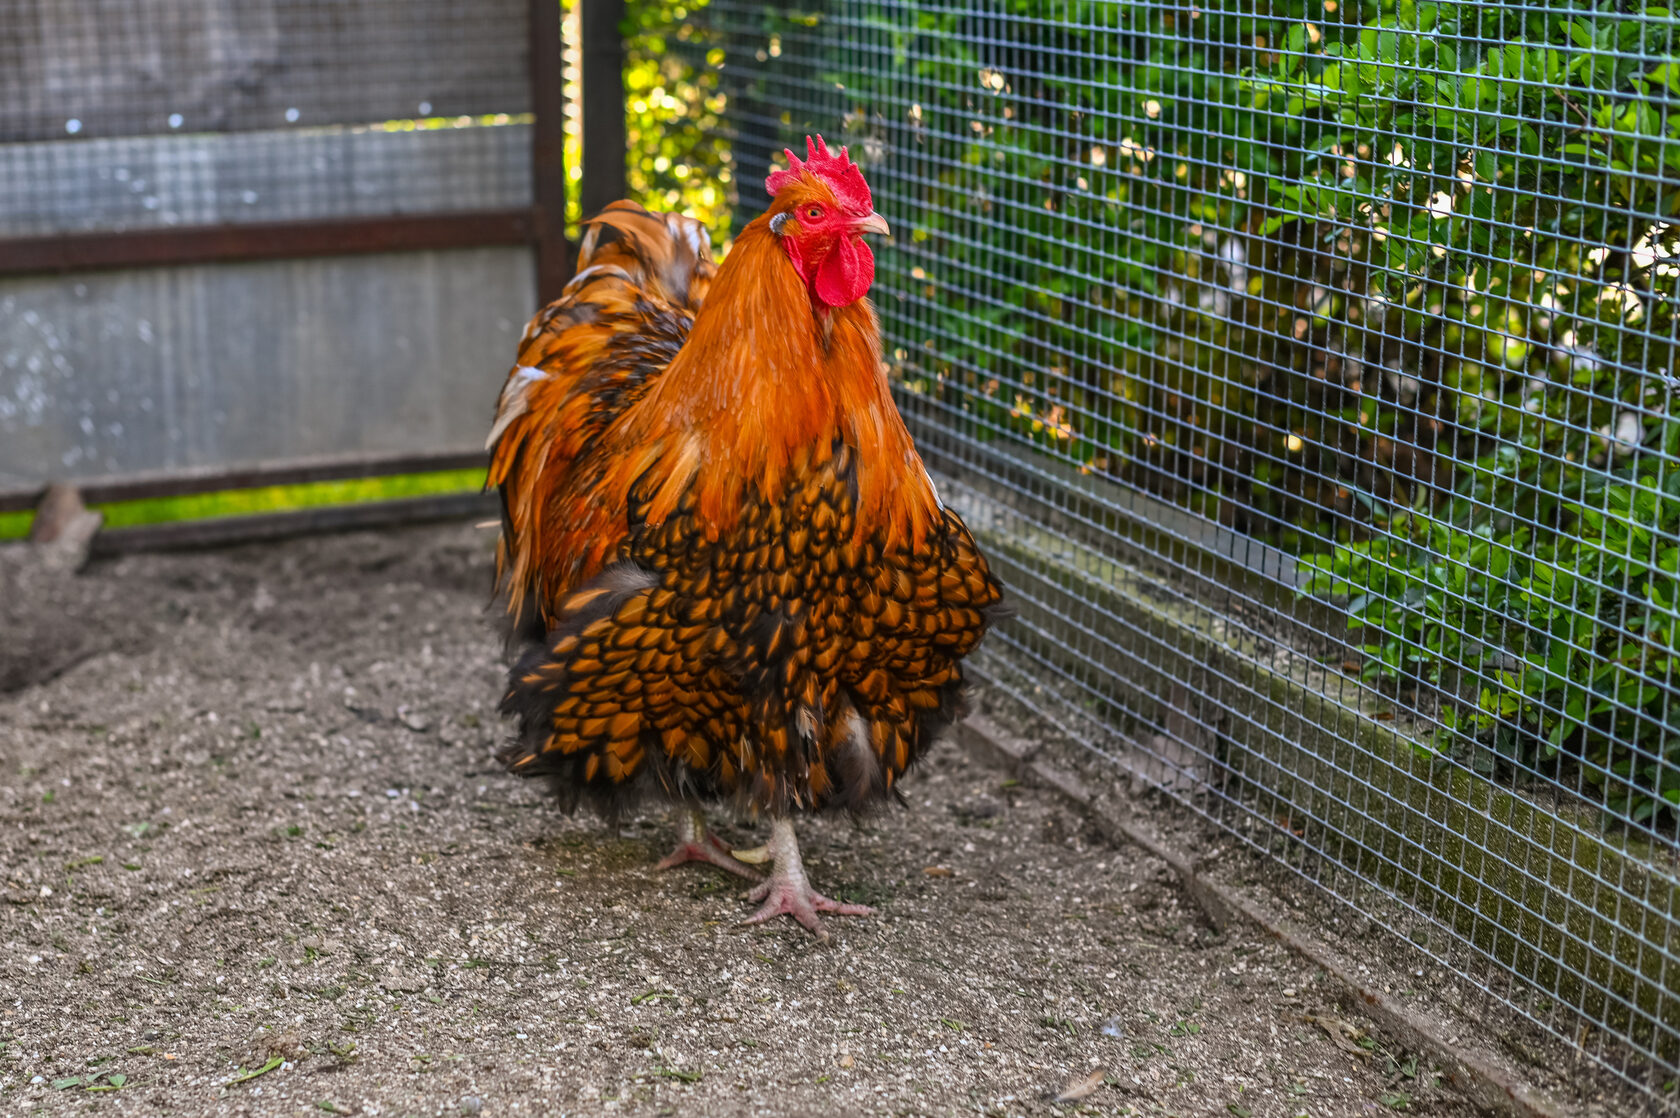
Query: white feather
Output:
(693,233)
(595,269)
(934,489)
(513,402)
(861,752)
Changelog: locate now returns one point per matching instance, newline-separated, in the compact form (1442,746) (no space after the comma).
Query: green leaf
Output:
(245,1077)
(1294,46)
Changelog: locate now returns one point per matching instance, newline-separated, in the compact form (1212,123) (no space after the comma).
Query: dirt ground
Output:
(255,858)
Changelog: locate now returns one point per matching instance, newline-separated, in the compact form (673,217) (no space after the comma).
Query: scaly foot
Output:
(787,892)
(800,901)
(696,844)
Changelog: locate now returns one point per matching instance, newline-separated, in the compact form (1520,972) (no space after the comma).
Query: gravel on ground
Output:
(256,858)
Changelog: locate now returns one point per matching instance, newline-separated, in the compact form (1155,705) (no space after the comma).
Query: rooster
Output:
(735,579)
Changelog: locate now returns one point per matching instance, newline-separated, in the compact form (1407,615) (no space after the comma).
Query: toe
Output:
(828,904)
(805,914)
(807,917)
(675,858)
(721,858)
(694,852)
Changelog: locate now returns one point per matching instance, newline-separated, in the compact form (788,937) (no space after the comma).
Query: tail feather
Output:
(584,358)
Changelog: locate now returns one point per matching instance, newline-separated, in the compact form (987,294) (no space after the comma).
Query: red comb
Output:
(843,176)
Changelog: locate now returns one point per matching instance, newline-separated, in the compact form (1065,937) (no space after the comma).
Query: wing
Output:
(584,358)
(917,614)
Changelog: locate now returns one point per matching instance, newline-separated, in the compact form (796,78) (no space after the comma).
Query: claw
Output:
(696,844)
(787,892)
(803,906)
(757,855)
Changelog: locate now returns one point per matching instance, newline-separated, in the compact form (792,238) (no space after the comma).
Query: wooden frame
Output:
(542,226)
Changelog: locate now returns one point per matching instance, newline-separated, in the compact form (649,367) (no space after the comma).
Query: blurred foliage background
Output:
(1385,283)
(680,157)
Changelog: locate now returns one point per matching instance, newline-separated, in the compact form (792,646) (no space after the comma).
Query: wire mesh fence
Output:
(168,113)
(1308,367)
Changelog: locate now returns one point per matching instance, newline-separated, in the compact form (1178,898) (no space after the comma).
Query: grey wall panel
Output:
(214,178)
(218,364)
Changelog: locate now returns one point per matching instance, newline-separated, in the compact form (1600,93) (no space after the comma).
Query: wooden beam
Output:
(216,479)
(140,248)
(227,530)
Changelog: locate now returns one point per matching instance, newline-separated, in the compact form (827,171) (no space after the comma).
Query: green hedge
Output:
(680,158)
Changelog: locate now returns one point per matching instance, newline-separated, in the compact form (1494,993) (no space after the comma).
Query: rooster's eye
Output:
(813,212)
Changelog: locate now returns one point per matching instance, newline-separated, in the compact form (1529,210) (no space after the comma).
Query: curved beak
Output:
(874,223)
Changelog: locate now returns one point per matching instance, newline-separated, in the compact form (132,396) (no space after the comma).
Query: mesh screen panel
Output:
(199,112)
(1307,369)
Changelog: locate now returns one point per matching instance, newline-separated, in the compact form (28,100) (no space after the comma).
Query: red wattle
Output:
(845,274)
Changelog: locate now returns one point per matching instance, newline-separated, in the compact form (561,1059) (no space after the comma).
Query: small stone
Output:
(399,983)
(471,1104)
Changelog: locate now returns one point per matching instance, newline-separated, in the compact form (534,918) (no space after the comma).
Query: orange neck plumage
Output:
(760,384)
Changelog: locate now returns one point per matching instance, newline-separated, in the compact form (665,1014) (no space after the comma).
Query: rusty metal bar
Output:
(78,252)
(548,151)
(604,137)
(215,479)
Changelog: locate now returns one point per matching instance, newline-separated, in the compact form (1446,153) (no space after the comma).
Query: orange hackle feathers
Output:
(717,525)
(756,387)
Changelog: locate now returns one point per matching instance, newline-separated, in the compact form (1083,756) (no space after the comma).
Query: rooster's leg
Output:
(787,892)
(696,844)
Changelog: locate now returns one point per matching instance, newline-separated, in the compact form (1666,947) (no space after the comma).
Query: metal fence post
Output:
(604,137)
